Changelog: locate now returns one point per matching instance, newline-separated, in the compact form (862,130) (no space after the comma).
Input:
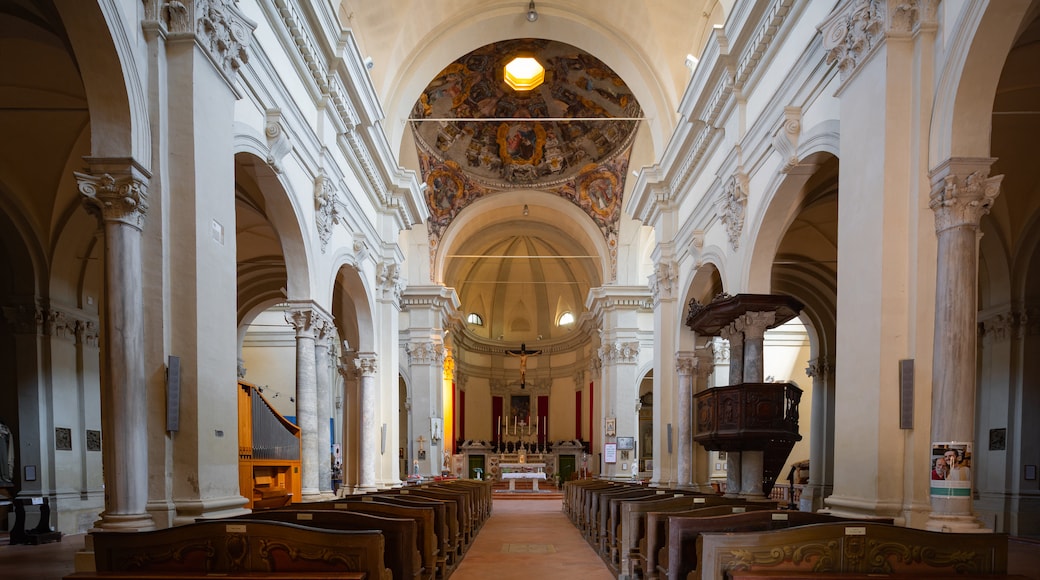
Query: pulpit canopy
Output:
(709,319)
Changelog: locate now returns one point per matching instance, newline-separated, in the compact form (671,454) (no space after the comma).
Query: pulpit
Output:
(755,422)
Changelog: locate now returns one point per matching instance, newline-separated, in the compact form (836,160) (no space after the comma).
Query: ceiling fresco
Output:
(572,136)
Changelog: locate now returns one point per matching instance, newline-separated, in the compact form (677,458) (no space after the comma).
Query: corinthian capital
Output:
(308,320)
(114,198)
(366,364)
(963,192)
(686,364)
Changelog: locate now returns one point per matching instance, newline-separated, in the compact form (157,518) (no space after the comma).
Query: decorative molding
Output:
(755,324)
(87,333)
(963,192)
(57,324)
(764,35)
(686,364)
(620,353)
(326,214)
(388,280)
(424,353)
(787,136)
(663,281)
(367,364)
(857,27)
(720,350)
(218,26)
(307,320)
(731,206)
(819,369)
(122,199)
(278,143)
(24,318)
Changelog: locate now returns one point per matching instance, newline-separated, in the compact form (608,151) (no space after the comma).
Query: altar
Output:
(514,471)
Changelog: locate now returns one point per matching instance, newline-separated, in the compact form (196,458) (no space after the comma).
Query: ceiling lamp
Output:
(524,73)
(532,15)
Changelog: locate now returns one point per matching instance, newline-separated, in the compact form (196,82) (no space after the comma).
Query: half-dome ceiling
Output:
(570,136)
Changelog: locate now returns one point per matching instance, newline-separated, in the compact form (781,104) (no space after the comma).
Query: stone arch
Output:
(980,41)
(353,305)
(705,283)
(501,208)
(282,211)
(116,98)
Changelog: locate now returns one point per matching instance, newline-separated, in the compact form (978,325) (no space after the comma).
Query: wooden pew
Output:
(606,514)
(401,548)
(255,549)
(633,524)
(850,550)
(683,532)
(573,494)
(424,516)
(443,523)
(653,546)
(596,504)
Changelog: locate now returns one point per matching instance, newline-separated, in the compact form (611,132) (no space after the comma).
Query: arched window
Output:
(565,319)
(475,319)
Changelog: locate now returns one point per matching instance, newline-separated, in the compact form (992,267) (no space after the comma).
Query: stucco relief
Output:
(731,205)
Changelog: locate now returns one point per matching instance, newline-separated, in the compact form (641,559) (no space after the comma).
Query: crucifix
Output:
(422,451)
(523,353)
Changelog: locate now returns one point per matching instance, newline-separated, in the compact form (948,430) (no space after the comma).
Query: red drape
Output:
(577,415)
(592,424)
(496,418)
(543,418)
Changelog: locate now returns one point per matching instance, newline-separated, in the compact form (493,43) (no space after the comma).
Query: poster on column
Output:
(610,453)
(951,469)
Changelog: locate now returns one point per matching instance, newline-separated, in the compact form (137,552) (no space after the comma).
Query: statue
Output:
(6,455)
(523,353)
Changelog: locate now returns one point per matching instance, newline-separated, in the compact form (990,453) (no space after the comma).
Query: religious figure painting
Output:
(520,407)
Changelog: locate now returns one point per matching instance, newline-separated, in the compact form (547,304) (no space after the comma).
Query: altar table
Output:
(533,476)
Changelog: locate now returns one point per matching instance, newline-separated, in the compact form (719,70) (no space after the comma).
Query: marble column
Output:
(754,325)
(686,366)
(306,319)
(706,357)
(366,363)
(820,482)
(323,390)
(735,336)
(117,196)
(962,192)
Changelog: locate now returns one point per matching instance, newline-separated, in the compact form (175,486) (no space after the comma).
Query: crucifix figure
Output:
(523,353)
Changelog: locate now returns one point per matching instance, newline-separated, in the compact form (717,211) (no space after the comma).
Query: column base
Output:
(967,524)
(124,523)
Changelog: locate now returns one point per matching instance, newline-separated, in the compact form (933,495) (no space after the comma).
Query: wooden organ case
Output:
(268,452)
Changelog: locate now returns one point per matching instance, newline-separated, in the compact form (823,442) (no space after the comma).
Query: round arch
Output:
(499,209)
(353,305)
(981,39)
(116,98)
(280,209)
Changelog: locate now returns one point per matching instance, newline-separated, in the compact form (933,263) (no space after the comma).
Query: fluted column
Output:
(323,390)
(962,192)
(118,198)
(686,366)
(307,320)
(367,367)
(735,336)
(754,325)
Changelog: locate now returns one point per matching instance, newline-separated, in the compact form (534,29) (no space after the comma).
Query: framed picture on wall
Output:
(610,453)
(626,443)
(610,427)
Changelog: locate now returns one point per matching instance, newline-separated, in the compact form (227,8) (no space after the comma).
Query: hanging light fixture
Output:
(532,14)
